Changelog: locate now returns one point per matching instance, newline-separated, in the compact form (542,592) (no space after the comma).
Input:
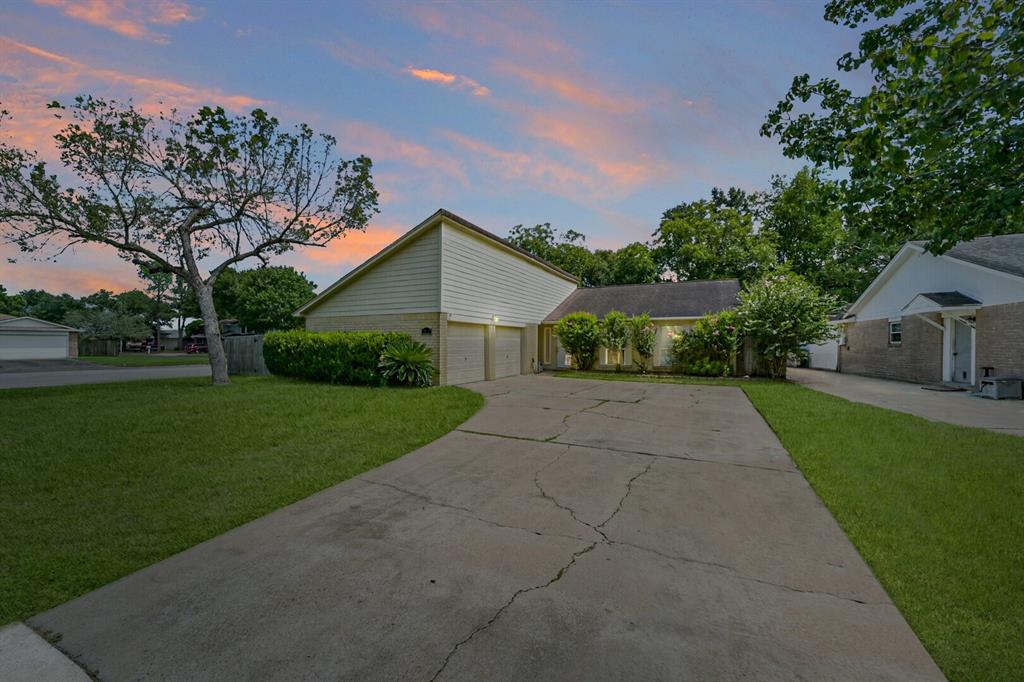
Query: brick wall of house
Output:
(918,358)
(999,337)
(72,344)
(410,323)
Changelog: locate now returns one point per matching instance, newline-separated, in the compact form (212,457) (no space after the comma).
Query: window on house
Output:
(895,333)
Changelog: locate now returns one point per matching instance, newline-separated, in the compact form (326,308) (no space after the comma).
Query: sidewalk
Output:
(1002,416)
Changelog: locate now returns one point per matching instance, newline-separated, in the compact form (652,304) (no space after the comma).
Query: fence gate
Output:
(245,354)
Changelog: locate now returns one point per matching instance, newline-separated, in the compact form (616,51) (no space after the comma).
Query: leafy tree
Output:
(158,285)
(633,264)
(171,193)
(746,203)
(139,304)
(108,323)
(580,335)
(267,297)
(935,148)
(642,334)
(11,304)
(782,313)
(804,218)
(705,241)
(615,334)
(50,307)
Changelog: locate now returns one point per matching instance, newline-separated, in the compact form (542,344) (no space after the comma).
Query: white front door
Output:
(963,356)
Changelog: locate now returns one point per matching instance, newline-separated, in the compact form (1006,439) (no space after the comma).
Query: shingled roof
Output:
(1004,252)
(661,300)
(949,299)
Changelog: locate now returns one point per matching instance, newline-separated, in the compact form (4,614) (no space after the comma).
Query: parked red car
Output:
(194,348)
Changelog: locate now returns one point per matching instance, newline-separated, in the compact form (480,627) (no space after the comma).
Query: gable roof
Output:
(26,323)
(1004,252)
(436,218)
(661,300)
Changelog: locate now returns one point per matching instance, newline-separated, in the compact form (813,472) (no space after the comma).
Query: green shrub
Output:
(710,347)
(580,335)
(332,357)
(782,313)
(405,361)
(642,334)
(615,334)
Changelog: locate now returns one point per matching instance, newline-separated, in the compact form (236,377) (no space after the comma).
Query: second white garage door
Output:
(506,351)
(465,353)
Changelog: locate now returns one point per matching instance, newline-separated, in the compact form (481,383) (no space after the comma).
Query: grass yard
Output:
(144,360)
(101,480)
(936,510)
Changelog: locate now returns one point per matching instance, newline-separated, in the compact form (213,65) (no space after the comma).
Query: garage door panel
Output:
(33,346)
(507,351)
(466,343)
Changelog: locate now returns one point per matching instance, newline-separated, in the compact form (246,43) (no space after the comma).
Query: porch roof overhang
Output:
(946,303)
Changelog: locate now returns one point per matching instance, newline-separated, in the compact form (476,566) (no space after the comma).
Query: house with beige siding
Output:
(953,318)
(484,306)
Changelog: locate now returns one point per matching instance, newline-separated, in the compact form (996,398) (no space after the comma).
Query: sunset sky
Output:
(595,117)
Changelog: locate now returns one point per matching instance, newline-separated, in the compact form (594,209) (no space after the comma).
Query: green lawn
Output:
(98,481)
(145,360)
(936,510)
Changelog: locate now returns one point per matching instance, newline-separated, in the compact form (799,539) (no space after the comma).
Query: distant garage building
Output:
(27,338)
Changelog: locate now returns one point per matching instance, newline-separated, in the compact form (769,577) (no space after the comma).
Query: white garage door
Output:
(825,355)
(506,351)
(465,353)
(33,345)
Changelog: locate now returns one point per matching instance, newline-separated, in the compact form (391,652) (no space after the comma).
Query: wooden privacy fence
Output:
(245,354)
(99,346)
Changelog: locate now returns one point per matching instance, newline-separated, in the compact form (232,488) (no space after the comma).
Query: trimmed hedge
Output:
(332,357)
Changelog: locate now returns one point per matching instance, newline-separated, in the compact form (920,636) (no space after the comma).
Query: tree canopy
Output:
(935,147)
(188,196)
(707,240)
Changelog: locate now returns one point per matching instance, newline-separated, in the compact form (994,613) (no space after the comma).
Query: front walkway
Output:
(1002,416)
(570,530)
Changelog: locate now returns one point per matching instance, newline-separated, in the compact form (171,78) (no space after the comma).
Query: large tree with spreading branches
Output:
(935,147)
(187,196)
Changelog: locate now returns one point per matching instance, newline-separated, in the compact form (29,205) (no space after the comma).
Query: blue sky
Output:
(591,116)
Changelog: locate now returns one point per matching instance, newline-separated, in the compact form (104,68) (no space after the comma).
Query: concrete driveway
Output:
(571,530)
(956,407)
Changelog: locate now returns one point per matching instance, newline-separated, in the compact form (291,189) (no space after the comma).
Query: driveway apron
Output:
(571,530)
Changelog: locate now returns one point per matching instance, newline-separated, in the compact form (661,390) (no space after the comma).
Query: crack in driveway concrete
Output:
(564,569)
(436,564)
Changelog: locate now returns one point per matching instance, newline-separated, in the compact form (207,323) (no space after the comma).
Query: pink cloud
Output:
(39,76)
(512,27)
(537,170)
(379,144)
(133,20)
(448,79)
(574,90)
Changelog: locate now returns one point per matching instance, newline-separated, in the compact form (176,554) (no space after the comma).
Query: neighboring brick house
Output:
(941,319)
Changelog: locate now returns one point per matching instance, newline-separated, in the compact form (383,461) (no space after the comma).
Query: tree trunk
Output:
(214,346)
